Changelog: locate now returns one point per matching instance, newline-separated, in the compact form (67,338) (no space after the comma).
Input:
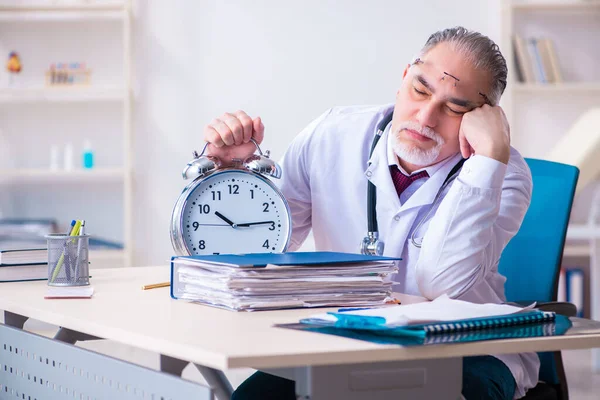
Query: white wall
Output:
(286,61)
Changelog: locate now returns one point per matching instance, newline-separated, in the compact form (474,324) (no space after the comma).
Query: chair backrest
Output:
(531,260)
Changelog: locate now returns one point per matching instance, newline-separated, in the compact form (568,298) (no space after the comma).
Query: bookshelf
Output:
(36,116)
(541,114)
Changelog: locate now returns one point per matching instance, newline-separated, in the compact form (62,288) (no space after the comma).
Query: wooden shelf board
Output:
(44,175)
(9,95)
(579,87)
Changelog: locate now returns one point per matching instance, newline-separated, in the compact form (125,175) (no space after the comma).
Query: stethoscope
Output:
(371,245)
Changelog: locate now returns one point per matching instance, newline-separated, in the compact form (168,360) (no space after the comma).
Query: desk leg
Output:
(424,379)
(68,336)
(16,320)
(173,366)
(217,381)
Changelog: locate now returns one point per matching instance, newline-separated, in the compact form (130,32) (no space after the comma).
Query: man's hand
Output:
(229,136)
(485,131)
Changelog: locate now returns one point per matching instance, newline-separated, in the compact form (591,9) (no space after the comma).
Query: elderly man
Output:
(450,191)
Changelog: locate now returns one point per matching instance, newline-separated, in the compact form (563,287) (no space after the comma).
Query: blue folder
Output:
(292,258)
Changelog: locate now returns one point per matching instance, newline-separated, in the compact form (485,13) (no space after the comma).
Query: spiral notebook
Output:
(559,326)
(443,315)
(430,329)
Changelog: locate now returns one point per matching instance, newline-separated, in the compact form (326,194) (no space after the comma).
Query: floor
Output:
(583,383)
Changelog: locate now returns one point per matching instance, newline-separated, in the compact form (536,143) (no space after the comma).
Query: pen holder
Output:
(68,260)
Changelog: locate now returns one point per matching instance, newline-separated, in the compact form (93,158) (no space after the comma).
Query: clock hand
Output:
(224,218)
(255,223)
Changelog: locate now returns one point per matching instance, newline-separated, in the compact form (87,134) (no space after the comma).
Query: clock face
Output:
(235,212)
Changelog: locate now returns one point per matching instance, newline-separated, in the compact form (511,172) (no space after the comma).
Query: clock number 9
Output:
(195,225)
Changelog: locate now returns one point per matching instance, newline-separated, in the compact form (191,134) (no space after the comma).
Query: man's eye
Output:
(456,112)
(419,92)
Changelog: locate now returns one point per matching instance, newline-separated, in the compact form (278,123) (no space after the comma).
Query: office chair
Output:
(531,260)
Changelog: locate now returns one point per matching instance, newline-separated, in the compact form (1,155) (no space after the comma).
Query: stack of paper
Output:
(290,280)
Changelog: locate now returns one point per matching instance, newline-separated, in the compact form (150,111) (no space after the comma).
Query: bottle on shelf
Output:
(88,155)
(68,157)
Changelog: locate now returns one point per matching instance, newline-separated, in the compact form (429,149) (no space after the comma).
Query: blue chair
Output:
(531,261)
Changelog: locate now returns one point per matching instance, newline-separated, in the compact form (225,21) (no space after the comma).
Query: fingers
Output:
(213,137)
(259,130)
(247,126)
(234,129)
(465,148)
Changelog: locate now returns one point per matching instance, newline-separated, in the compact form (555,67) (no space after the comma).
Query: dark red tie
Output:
(401,181)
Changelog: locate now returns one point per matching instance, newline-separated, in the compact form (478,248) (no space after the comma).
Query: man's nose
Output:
(428,115)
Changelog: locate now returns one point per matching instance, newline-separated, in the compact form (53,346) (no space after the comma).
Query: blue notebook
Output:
(377,324)
(292,258)
(559,326)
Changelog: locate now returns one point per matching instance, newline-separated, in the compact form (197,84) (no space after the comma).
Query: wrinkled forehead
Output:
(452,73)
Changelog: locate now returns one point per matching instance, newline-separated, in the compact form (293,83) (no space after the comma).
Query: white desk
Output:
(221,339)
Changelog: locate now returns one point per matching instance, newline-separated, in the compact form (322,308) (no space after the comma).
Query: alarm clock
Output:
(231,210)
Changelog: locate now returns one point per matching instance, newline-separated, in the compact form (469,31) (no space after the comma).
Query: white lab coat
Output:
(325,172)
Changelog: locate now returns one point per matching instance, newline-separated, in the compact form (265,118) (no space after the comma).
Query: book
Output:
(23,256)
(561,325)
(523,59)
(29,272)
(538,67)
(253,282)
(443,315)
(575,288)
(553,59)
(544,52)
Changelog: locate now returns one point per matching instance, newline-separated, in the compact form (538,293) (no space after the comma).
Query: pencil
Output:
(156,285)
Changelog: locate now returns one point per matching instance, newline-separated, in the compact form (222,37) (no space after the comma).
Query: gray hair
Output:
(479,50)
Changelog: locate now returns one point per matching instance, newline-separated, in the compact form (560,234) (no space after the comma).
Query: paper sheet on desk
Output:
(442,309)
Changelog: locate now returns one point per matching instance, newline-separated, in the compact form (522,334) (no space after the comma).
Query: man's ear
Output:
(405,71)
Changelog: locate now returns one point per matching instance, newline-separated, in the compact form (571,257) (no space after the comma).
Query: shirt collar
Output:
(393,159)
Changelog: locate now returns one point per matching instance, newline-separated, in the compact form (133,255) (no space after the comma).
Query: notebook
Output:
(29,272)
(23,256)
(443,315)
(560,326)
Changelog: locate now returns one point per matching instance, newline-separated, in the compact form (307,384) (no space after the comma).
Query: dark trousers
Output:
(484,377)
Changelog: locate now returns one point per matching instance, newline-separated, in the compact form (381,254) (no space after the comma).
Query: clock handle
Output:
(201,165)
(262,164)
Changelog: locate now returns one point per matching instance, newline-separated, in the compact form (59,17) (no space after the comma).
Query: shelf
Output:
(576,250)
(577,5)
(62,94)
(48,6)
(65,15)
(574,87)
(44,175)
(583,232)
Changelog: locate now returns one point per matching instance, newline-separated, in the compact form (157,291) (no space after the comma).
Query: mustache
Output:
(422,130)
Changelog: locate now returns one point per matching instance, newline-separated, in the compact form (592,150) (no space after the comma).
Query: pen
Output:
(156,285)
(78,258)
(59,264)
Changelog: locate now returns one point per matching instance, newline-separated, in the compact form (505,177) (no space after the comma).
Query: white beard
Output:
(412,153)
